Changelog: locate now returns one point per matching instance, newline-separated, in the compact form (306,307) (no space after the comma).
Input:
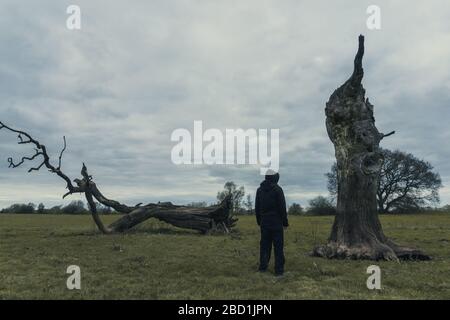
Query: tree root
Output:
(405,253)
(388,251)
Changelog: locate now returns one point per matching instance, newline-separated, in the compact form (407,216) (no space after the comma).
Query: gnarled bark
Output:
(203,219)
(357,231)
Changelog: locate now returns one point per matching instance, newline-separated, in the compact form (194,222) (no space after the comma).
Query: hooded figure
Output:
(271,216)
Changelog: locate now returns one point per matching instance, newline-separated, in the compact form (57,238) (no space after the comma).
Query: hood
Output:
(273,177)
(267,185)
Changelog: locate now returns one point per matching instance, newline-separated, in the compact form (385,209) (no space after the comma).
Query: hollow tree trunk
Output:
(357,231)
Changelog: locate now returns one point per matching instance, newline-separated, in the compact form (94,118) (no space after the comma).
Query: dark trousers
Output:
(271,236)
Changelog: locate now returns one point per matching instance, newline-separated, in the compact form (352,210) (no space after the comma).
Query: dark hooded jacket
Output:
(270,204)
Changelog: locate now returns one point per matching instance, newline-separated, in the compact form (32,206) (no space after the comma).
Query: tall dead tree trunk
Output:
(203,219)
(357,231)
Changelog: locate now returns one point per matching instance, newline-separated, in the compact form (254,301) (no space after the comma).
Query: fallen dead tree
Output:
(203,219)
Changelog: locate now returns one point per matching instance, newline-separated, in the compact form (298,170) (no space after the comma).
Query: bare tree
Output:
(406,183)
(357,231)
(197,218)
(41,208)
(230,189)
(295,209)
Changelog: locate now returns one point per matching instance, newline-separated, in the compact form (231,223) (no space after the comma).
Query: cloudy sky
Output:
(137,70)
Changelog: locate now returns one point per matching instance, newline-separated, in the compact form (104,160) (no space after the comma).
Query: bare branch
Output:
(36,168)
(61,153)
(40,150)
(15,165)
(95,192)
(388,134)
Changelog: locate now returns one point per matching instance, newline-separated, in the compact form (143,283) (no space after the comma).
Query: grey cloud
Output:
(135,72)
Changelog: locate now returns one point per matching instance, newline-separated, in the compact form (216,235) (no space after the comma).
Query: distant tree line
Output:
(243,204)
(74,207)
(318,206)
(407,185)
(322,206)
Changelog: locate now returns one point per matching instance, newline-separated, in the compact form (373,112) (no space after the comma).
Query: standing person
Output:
(271,216)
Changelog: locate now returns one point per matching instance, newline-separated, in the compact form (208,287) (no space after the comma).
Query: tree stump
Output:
(350,123)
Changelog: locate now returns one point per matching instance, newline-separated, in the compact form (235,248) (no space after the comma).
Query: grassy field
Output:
(157,261)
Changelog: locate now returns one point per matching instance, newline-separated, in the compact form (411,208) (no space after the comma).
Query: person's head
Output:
(272,176)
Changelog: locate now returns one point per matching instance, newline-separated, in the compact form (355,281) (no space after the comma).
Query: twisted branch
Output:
(41,150)
(15,165)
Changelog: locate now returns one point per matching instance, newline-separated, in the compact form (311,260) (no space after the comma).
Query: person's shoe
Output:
(279,274)
(262,270)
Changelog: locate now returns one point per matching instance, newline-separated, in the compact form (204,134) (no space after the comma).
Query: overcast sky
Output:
(137,70)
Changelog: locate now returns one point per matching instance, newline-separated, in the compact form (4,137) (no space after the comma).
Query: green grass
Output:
(157,261)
